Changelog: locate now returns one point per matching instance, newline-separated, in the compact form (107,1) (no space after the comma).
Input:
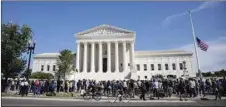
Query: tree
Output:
(14,40)
(41,75)
(65,63)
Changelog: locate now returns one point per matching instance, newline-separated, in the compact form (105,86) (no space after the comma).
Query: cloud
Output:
(166,22)
(204,6)
(213,59)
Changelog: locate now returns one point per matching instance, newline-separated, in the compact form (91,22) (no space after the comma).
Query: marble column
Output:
(109,56)
(92,57)
(124,56)
(85,58)
(116,58)
(132,55)
(77,57)
(100,69)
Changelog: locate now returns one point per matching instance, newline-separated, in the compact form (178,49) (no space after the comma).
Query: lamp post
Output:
(30,48)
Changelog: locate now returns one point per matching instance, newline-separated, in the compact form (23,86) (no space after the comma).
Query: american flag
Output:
(202,45)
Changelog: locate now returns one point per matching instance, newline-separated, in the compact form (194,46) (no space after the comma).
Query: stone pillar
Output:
(109,56)
(116,58)
(92,57)
(132,55)
(100,58)
(77,57)
(85,58)
(124,56)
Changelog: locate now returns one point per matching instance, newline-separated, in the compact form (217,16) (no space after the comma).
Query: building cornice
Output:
(163,53)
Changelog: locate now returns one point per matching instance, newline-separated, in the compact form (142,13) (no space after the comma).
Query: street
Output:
(26,101)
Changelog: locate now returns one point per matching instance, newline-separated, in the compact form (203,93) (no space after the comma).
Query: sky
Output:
(158,25)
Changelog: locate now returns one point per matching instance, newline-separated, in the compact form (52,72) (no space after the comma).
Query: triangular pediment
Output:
(105,30)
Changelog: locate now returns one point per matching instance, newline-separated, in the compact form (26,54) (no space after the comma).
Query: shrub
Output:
(41,75)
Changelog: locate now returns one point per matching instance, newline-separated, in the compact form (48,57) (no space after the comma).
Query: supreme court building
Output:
(106,52)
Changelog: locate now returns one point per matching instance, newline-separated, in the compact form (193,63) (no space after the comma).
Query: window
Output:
(42,67)
(152,67)
(181,66)
(138,67)
(54,67)
(174,66)
(48,67)
(166,66)
(145,67)
(145,77)
(159,67)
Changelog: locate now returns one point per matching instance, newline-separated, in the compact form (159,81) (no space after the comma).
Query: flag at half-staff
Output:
(202,45)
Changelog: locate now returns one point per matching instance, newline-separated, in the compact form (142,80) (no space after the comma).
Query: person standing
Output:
(58,85)
(181,87)
(52,88)
(143,91)
(192,88)
(36,88)
(219,90)
(155,88)
(13,85)
(78,85)
(202,88)
(26,87)
(22,88)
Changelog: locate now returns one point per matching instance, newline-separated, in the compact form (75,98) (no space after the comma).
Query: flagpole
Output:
(195,45)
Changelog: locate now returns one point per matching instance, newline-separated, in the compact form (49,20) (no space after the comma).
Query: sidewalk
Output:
(78,97)
(82,100)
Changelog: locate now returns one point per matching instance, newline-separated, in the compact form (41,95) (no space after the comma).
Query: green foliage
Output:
(41,75)
(65,63)
(14,40)
(221,73)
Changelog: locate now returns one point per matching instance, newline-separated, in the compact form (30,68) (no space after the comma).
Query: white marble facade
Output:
(106,52)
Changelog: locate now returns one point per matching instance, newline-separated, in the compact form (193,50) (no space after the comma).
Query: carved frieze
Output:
(105,30)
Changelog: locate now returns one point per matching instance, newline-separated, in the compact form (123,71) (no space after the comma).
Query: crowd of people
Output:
(154,87)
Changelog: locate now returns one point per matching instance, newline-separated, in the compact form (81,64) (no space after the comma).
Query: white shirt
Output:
(26,83)
(192,84)
(139,83)
(22,83)
(124,84)
(12,82)
(156,83)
